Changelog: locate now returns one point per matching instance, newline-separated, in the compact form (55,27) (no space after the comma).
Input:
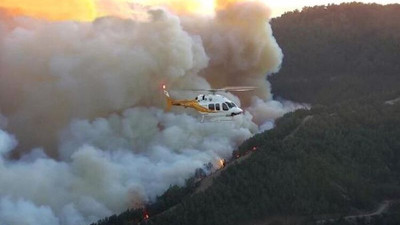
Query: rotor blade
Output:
(198,90)
(225,89)
(240,88)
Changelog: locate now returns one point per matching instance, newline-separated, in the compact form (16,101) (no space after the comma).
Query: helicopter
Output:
(210,104)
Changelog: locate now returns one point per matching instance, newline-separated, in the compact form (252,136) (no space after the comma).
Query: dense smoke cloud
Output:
(266,111)
(83,131)
(52,72)
(241,47)
(113,163)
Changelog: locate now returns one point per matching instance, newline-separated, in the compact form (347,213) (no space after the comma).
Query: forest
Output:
(339,158)
(336,52)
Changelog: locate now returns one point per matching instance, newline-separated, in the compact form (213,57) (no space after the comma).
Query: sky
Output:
(279,7)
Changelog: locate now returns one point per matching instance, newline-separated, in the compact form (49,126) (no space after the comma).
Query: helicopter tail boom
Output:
(184,103)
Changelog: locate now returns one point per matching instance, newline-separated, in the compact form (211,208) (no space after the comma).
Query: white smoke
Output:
(7,143)
(107,168)
(84,102)
(52,72)
(266,111)
(19,211)
(241,48)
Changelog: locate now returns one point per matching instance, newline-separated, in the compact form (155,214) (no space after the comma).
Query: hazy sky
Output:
(282,6)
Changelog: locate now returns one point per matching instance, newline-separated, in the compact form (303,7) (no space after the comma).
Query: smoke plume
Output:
(83,133)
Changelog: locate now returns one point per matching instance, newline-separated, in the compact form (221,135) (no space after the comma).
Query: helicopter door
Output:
(217,107)
(211,106)
(225,107)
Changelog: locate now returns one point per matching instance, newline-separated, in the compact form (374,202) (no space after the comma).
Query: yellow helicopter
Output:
(210,104)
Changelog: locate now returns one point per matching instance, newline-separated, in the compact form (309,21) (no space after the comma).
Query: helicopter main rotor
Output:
(225,89)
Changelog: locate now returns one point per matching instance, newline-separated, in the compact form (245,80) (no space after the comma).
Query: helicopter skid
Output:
(205,118)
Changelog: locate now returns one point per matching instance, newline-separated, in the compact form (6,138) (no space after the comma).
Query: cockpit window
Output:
(229,104)
(225,107)
(211,107)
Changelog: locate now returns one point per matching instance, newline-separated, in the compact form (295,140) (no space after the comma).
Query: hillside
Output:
(338,52)
(322,163)
(338,162)
(341,158)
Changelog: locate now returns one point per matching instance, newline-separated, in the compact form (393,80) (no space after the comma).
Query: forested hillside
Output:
(340,158)
(338,52)
(328,161)
(323,161)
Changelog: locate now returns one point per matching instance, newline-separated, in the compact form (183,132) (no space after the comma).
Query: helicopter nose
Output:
(236,111)
(239,111)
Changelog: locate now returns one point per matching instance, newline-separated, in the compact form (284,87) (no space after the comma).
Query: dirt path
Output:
(382,208)
(393,101)
(304,121)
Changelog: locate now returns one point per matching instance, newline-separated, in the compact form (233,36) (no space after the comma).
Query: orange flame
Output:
(221,163)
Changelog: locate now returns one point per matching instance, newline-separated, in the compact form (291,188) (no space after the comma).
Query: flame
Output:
(221,163)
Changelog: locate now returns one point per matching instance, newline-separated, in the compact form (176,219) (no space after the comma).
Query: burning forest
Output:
(66,156)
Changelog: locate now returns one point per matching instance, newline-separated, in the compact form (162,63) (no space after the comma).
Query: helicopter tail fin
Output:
(168,98)
(169,102)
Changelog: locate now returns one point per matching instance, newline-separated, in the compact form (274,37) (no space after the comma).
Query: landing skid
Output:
(208,119)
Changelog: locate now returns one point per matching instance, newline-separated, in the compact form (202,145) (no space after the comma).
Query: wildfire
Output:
(88,10)
(146,215)
(222,163)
